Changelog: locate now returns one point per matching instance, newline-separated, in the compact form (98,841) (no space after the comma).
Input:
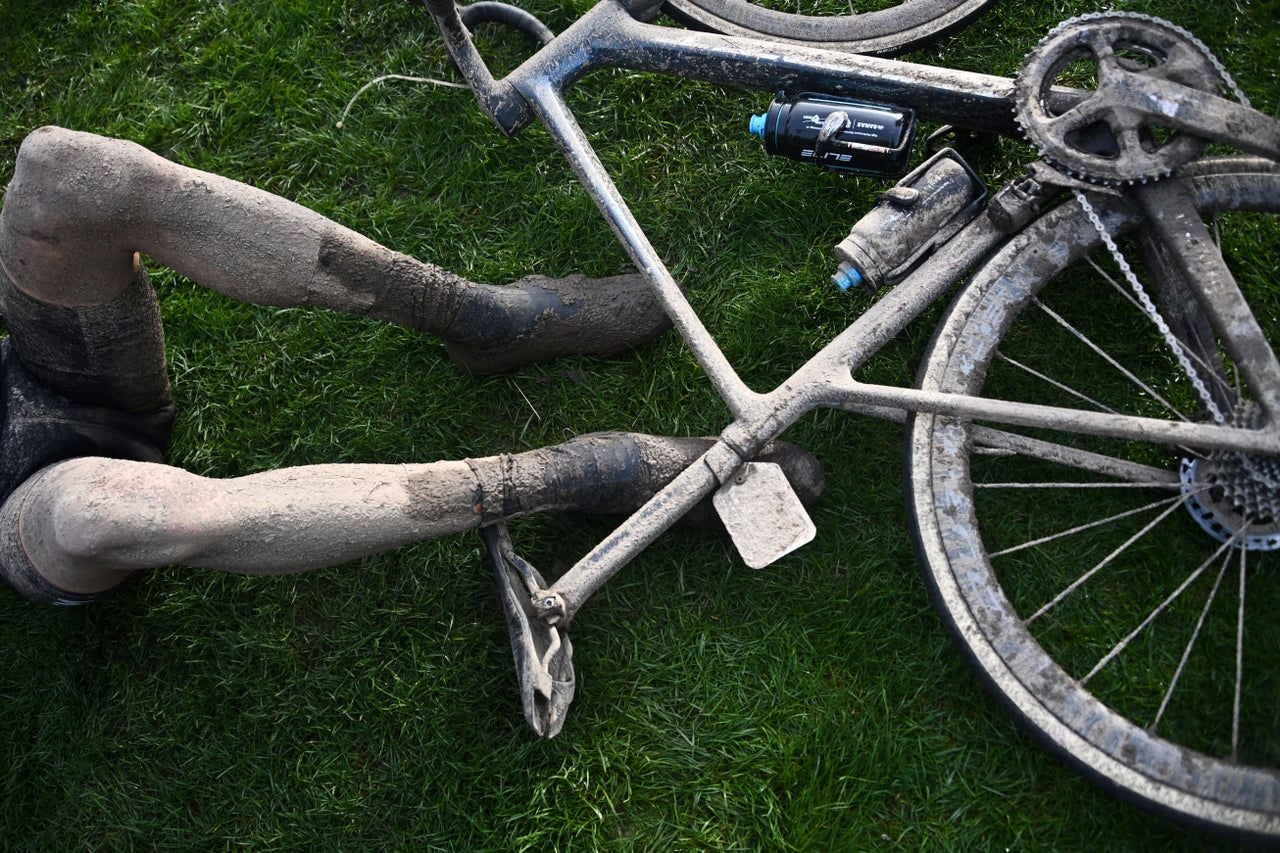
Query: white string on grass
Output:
(375,81)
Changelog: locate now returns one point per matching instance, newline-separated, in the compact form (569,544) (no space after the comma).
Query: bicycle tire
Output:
(1123,725)
(899,28)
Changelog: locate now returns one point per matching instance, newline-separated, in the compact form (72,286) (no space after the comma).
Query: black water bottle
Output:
(838,134)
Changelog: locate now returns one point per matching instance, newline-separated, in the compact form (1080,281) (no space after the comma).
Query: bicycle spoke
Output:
(1106,561)
(1161,608)
(1075,332)
(1107,357)
(1235,715)
(1079,395)
(1195,636)
(1092,525)
(1055,484)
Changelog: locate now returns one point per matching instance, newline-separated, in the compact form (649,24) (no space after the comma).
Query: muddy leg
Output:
(80,206)
(85,524)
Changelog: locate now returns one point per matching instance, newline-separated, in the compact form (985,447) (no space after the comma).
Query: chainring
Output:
(1108,136)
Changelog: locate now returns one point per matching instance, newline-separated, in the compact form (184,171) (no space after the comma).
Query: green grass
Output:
(816,705)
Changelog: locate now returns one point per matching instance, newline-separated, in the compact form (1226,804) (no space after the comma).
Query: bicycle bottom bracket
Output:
(838,134)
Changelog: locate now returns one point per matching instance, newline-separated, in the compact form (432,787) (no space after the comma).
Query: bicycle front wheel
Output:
(881,27)
(1119,598)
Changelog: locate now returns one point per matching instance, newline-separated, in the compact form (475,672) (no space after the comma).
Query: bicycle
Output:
(1120,108)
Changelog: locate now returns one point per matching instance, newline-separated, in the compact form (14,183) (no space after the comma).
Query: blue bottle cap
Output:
(757,126)
(846,277)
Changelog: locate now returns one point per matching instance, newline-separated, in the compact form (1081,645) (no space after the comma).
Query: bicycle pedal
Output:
(542,653)
(763,514)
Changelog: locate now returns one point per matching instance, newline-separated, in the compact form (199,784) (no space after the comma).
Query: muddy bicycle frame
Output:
(615,34)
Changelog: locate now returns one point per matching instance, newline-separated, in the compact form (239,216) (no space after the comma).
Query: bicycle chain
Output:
(1030,83)
(1149,306)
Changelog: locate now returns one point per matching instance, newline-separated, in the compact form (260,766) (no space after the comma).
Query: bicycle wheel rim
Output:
(969,587)
(900,28)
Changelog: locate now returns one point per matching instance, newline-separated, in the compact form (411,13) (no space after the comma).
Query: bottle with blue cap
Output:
(838,134)
(911,220)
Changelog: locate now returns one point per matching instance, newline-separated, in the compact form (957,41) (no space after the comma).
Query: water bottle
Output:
(838,134)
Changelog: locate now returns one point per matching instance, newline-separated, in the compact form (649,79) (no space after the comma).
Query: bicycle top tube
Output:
(609,36)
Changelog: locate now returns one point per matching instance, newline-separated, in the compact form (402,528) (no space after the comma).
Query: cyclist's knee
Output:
(117,514)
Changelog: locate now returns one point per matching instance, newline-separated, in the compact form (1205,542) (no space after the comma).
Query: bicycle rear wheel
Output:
(882,27)
(1119,598)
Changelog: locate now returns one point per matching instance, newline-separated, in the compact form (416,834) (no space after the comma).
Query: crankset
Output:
(1140,77)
